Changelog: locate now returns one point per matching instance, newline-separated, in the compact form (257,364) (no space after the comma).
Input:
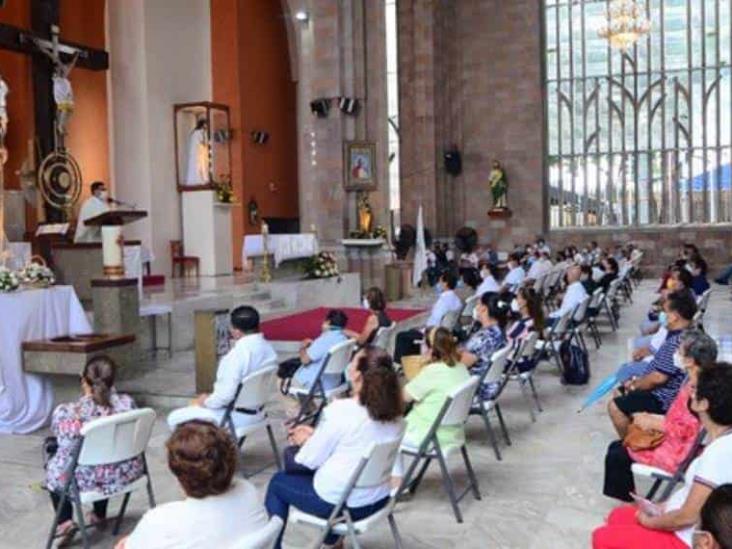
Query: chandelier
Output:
(626,24)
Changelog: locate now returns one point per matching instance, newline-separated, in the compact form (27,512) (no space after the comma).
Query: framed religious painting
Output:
(360,166)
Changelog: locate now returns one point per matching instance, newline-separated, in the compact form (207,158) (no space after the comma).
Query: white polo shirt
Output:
(247,356)
(573,297)
(539,268)
(489,284)
(448,301)
(515,277)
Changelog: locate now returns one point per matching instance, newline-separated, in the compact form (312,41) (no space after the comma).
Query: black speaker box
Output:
(453,163)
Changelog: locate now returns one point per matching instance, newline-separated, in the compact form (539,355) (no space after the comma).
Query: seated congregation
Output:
(371,414)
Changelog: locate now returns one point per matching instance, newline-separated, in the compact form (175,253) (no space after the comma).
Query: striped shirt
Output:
(663,362)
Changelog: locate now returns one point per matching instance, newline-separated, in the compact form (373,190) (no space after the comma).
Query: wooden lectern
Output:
(111,223)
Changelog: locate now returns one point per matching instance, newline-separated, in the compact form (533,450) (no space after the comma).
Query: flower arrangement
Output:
(8,280)
(322,265)
(36,275)
(224,191)
(377,232)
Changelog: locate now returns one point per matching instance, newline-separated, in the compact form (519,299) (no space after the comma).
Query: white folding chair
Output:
(493,374)
(264,538)
(593,310)
(104,441)
(470,304)
(554,338)
(374,469)
(252,396)
(578,321)
(454,413)
(527,355)
(450,319)
(384,338)
(335,364)
(611,303)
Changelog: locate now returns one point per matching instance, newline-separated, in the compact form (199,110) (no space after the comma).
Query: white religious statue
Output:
(197,168)
(63,94)
(96,204)
(3,158)
(3,111)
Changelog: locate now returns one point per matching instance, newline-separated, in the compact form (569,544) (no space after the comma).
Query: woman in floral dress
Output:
(98,399)
(492,311)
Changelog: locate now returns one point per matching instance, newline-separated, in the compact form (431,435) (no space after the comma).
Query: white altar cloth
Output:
(26,399)
(281,246)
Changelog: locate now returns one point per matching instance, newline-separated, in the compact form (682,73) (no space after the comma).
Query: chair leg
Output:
(154,330)
(52,533)
(80,518)
(535,394)
(503,425)
(120,516)
(449,488)
(527,398)
(418,479)
(491,433)
(150,493)
(395,532)
(273,442)
(351,531)
(170,334)
(471,473)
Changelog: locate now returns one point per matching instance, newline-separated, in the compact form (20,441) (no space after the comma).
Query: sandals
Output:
(66,532)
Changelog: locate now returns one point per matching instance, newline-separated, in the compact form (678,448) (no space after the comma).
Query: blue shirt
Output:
(699,284)
(663,362)
(483,344)
(317,351)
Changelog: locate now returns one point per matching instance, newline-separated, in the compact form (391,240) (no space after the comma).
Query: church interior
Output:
(365,273)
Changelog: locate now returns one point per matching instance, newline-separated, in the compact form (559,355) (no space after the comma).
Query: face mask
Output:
(475,313)
(663,319)
(438,289)
(365,303)
(515,306)
(584,278)
(678,361)
(689,268)
(103,195)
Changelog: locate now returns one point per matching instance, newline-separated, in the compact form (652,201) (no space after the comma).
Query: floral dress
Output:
(66,424)
(680,429)
(483,344)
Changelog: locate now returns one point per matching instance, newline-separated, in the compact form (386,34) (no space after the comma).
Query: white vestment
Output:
(197,170)
(92,207)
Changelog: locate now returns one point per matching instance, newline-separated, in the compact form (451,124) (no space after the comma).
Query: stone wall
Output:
(660,244)
(471,79)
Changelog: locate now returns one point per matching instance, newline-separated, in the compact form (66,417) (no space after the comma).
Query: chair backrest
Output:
(539,283)
(382,340)
(497,365)
(580,311)
(450,319)
(176,248)
(596,298)
(613,288)
(379,461)
(529,345)
(115,438)
(703,301)
(264,538)
(339,356)
(470,304)
(458,403)
(257,388)
(561,325)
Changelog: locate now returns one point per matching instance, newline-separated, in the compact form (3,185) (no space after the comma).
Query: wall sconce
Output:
(259,137)
(320,107)
(302,16)
(348,105)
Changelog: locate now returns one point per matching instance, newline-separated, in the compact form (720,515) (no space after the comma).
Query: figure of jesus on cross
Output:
(63,94)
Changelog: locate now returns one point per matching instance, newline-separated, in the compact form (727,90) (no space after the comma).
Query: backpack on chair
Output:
(575,364)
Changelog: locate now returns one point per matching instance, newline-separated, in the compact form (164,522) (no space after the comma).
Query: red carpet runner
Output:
(307,324)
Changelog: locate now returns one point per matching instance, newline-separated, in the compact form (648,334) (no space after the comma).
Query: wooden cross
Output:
(37,42)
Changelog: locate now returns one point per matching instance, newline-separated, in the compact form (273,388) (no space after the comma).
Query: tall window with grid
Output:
(640,137)
(392,79)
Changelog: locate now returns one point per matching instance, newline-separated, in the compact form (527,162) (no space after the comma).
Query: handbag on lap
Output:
(285,371)
(637,439)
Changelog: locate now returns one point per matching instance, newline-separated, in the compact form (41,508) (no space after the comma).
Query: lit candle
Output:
(265,229)
(312,228)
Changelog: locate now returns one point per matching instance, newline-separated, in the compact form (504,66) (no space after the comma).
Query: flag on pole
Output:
(420,252)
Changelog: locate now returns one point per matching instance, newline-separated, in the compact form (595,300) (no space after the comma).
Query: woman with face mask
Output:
(698,271)
(679,426)
(375,302)
(671,524)
(528,314)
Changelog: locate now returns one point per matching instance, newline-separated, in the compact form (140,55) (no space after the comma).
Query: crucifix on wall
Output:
(52,62)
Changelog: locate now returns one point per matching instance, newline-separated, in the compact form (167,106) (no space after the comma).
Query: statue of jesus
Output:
(499,186)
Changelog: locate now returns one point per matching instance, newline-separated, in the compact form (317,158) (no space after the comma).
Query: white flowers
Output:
(8,280)
(37,275)
(322,265)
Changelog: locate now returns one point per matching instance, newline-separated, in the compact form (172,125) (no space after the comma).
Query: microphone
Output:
(111,200)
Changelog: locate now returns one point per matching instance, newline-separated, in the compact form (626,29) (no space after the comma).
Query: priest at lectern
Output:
(96,204)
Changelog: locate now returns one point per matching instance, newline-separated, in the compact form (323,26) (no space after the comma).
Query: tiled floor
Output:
(544,494)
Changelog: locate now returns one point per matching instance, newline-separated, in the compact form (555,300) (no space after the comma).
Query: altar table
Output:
(26,399)
(280,246)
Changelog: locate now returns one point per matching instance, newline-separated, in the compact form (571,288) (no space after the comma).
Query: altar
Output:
(26,400)
(283,249)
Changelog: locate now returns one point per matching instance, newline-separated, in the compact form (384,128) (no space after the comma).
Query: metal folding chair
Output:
(252,396)
(104,441)
(374,469)
(494,373)
(454,412)
(611,303)
(527,354)
(593,311)
(578,322)
(554,337)
(335,363)
(384,338)
(660,476)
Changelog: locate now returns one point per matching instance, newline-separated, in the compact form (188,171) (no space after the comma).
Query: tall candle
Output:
(265,229)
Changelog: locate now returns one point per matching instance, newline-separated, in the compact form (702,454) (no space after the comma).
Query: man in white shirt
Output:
(541,266)
(489,284)
(93,206)
(249,354)
(573,296)
(447,302)
(516,274)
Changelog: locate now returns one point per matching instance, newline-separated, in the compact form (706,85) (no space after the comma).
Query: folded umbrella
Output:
(605,386)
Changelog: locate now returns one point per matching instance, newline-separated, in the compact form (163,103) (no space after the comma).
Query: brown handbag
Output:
(637,439)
